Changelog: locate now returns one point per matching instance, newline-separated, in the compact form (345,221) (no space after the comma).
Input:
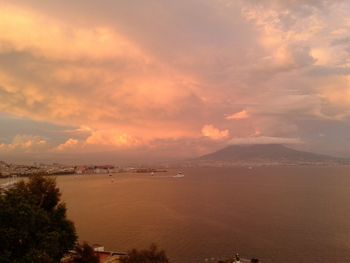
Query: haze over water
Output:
(277,214)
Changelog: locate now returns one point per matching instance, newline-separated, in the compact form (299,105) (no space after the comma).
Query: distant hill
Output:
(266,154)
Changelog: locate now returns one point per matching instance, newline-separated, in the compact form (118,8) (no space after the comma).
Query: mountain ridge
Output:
(268,154)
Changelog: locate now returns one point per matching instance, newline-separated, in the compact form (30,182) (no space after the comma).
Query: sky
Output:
(105,80)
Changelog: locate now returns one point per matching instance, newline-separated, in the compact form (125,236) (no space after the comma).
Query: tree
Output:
(83,254)
(151,255)
(33,223)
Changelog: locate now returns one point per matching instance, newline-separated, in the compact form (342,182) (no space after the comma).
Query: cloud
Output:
(241,115)
(88,43)
(112,139)
(265,140)
(70,144)
(146,72)
(60,73)
(24,143)
(214,133)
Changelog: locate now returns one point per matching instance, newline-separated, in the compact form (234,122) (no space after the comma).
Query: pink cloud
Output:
(214,133)
(25,143)
(112,138)
(241,115)
(70,144)
(131,85)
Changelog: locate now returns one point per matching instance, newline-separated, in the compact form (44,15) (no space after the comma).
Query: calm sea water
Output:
(277,214)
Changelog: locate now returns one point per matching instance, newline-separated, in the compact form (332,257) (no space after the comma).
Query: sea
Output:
(275,214)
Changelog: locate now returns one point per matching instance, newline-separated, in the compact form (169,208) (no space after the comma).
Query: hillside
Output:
(267,154)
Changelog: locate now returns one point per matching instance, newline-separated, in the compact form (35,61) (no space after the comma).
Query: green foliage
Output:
(151,255)
(84,254)
(33,223)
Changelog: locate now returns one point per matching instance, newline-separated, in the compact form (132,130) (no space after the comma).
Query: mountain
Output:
(266,154)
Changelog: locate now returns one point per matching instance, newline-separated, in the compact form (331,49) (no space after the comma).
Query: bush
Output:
(151,255)
(84,254)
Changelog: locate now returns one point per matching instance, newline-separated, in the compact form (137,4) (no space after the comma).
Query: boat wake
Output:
(179,175)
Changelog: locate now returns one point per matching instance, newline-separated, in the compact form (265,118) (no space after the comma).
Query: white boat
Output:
(179,175)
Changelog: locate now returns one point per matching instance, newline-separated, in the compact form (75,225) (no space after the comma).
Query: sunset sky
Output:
(111,79)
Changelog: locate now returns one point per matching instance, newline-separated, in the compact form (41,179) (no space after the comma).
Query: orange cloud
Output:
(243,114)
(337,92)
(26,30)
(25,143)
(111,138)
(70,144)
(214,133)
(129,86)
(93,75)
